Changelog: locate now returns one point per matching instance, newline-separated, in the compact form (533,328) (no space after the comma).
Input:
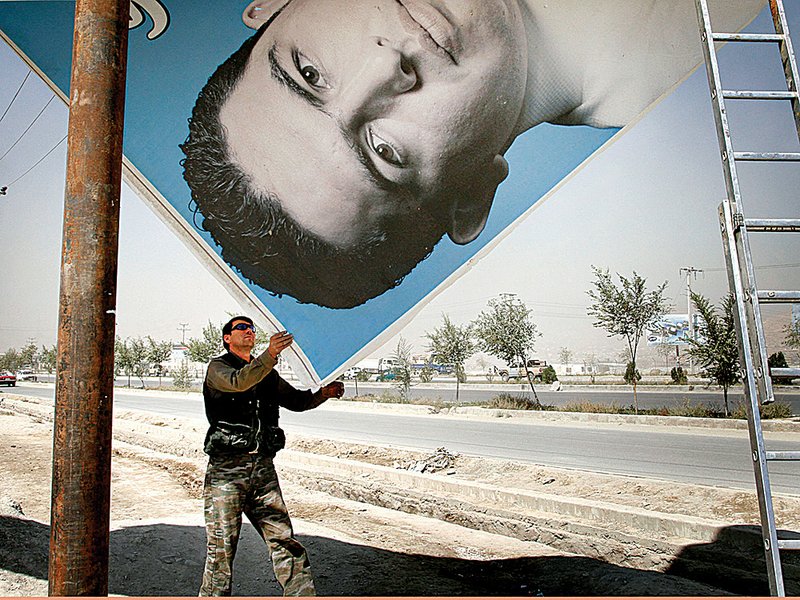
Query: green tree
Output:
(590,365)
(28,354)
(157,354)
(139,358)
(452,344)
(402,367)
(716,348)
(47,358)
(122,358)
(181,377)
(507,331)
(203,349)
(262,340)
(626,311)
(565,357)
(486,368)
(10,360)
(667,351)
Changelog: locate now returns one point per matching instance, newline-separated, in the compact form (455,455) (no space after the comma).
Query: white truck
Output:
(376,368)
(517,370)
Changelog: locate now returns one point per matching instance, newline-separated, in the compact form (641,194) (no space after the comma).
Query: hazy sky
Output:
(647,203)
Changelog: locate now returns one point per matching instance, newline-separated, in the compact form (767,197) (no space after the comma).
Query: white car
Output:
(26,375)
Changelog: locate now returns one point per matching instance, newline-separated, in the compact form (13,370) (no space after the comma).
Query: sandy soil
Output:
(157,538)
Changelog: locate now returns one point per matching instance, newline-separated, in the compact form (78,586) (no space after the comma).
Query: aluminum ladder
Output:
(735,229)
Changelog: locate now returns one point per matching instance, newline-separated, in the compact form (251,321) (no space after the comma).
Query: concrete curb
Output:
(782,425)
(673,528)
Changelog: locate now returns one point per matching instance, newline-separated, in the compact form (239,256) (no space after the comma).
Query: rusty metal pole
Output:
(81,489)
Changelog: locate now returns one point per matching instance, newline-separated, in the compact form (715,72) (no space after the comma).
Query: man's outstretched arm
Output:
(299,401)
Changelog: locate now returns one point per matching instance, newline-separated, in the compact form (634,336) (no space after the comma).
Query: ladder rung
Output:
(778,297)
(784,371)
(773,225)
(747,37)
(758,95)
(789,544)
(777,156)
(785,455)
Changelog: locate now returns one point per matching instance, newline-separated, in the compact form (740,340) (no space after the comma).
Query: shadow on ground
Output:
(735,561)
(167,560)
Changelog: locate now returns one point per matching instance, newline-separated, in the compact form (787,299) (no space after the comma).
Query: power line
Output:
(757,267)
(38,161)
(27,128)
(5,112)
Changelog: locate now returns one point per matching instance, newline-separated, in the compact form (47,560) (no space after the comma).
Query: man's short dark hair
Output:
(260,240)
(228,328)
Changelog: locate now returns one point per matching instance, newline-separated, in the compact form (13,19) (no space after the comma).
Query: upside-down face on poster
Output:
(338,162)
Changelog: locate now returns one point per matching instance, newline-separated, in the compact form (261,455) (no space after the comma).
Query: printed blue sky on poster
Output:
(164,77)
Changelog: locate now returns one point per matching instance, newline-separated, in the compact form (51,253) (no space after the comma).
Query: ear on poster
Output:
(470,209)
(260,11)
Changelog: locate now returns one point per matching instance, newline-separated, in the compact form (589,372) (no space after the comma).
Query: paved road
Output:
(480,393)
(679,454)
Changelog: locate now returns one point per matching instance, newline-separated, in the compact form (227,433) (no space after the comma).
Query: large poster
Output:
(338,162)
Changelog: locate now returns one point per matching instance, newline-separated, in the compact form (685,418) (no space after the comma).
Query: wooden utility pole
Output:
(85,364)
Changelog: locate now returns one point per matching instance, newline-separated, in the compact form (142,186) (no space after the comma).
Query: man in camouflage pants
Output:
(242,395)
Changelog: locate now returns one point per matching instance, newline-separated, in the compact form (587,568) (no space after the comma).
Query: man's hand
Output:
(334,389)
(278,343)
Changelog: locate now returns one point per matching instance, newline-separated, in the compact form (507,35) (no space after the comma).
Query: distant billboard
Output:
(673,330)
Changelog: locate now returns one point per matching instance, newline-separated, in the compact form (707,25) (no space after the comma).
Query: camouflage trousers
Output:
(248,484)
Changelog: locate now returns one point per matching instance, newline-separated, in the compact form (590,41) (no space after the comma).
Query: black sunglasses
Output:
(244,326)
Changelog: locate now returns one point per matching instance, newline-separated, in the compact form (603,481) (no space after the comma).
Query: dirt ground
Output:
(356,548)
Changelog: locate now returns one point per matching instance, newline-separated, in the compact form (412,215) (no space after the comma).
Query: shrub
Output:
(632,374)
(549,374)
(512,402)
(778,361)
(687,409)
(775,410)
(426,374)
(182,378)
(678,376)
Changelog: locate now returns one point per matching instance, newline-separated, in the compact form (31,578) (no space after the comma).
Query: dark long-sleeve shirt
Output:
(239,392)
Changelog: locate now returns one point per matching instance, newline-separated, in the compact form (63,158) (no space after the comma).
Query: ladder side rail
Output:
(732,187)
(718,103)
(787,56)
(755,327)
(757,444)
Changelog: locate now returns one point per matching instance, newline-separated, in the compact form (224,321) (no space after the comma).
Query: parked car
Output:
(26,375)
(386,376)
(8,379)
(351,373)
(517,370)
